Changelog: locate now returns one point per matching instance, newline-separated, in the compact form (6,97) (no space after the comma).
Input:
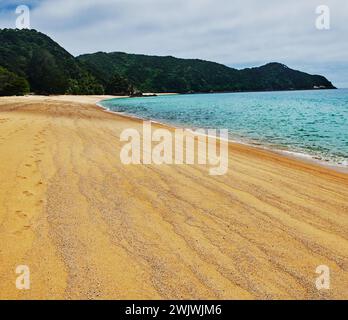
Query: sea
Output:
(310,124)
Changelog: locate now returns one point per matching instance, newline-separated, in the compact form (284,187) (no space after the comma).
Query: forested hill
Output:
(47,67)
(169,74)
(31,61)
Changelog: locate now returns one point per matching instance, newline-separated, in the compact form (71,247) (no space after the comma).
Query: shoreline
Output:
(90,227)
(298,156)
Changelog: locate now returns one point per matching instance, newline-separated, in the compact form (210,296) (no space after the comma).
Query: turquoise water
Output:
(312,123)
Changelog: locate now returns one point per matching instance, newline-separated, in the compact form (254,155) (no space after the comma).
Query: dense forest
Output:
(32,62)
(48,68)
(12,84)
(169,74)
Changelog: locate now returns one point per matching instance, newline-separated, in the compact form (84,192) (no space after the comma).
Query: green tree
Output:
(11,84)
(119,86)
(44,75)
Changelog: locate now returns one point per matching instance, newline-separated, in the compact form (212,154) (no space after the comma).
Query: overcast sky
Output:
(233,32)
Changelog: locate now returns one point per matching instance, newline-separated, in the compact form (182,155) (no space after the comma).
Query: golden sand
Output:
(89,227)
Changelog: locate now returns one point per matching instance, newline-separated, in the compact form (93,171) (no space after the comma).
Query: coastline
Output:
(90,227)
(298,156)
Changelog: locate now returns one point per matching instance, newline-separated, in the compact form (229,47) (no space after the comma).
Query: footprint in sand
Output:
(19,232)
(21,214)
(27,193)
(39,203)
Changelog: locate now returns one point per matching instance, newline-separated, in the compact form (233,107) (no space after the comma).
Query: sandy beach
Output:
(89,227)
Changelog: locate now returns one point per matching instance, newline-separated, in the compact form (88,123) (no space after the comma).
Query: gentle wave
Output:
(309,124)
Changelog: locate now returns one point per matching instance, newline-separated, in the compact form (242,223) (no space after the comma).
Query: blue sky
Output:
(236,33)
